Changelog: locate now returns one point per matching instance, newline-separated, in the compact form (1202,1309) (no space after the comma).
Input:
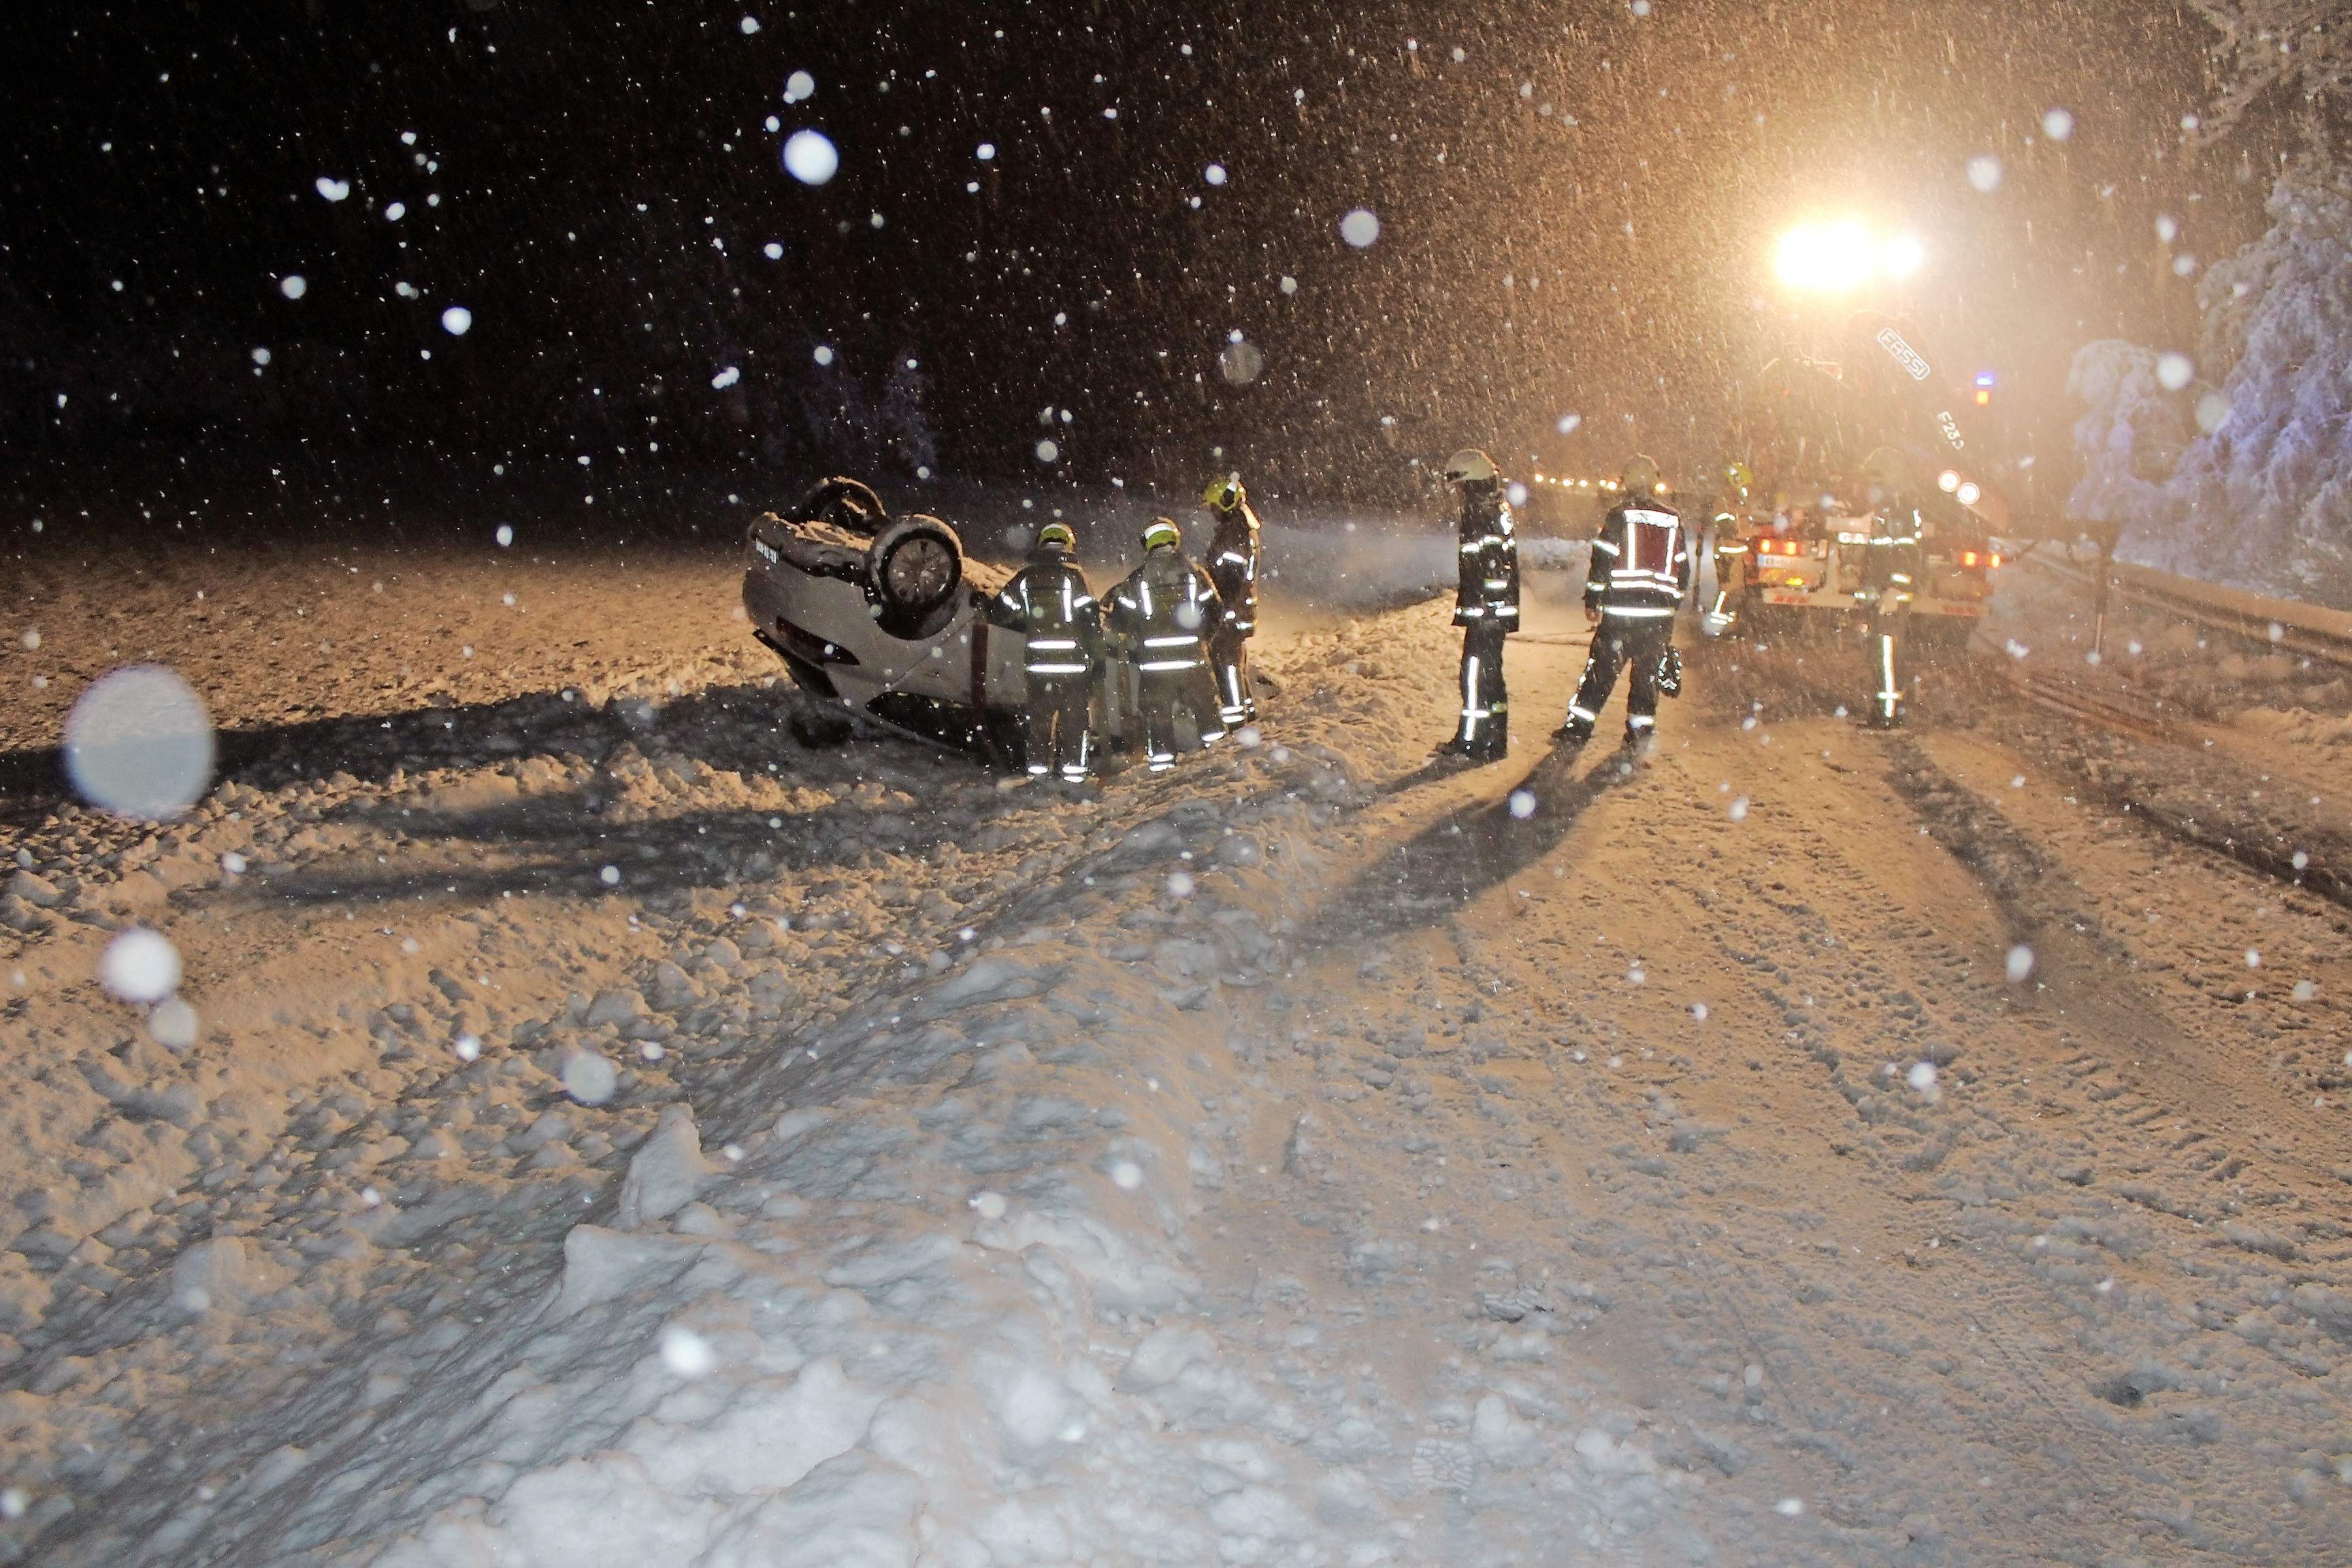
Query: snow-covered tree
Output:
(2128,440)
(2266,492)
(2293,55)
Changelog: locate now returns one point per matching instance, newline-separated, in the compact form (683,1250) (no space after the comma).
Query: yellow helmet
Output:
(1224,494)
(1163,530)
(1057,533)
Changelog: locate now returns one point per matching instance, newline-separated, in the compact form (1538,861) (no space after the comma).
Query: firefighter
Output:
(1049,603)
(1163,616)
(1232,567)
(1891,567)
(1640,569)
(1486,605)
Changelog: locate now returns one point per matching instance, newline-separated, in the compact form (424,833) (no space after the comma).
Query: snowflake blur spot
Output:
(990,1205)
(1984,173)
(261,356)
(1921,1077)
(505,535)
(987,150)
(1181,884)
(1790,1507)
(1739,809)
(1249,737)
(1214,173)
(293,286)
(457,321)
(811,157)
(2213,412)
(468,1047)
(589,1078)
(1126,1175)
(138,743)
(2019,964)
(1523,803)
(610,875)
(687,1354)
(823,355)
(2253,958)
(1569,422)
(2174,371)
(140,965)
(799,87)
(772,251)
(725,379)
(751,25)
(1359,228)
(1241,362)
(1288,285)
(1698,1011)
(233,863)
(394,211)
(1047,452)
(1518,493)
(173,1024)
(334,190)
(2058,125)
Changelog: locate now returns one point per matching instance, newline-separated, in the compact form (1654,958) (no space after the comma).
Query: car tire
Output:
(914,572)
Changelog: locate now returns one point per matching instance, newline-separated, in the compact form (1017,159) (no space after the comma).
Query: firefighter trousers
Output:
(1485,728)
(1054,737)
(1886,642)
(1161,695)
(1634,647)
(1229,656)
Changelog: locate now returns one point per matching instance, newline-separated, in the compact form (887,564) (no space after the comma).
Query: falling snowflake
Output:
(457,321)
(1359,228)
(293,286)
(2058,125)
(1984,173)
(334,190)
(811,157)
(2019,964)
(725,379)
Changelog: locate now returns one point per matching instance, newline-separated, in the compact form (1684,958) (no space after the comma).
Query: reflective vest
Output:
(1640,563)
(1164,613)
(1488,552)
(1048,602)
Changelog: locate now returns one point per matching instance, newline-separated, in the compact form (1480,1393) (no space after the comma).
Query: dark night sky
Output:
(1576,215)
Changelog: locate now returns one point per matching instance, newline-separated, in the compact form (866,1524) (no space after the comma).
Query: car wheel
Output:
(912,575)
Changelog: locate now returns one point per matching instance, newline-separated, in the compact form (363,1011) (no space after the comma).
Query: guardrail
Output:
(2286,625)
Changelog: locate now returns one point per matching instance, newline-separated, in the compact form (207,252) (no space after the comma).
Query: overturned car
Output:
(887,617)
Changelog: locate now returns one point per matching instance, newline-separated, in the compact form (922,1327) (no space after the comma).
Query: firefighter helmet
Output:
(1640,476)
(1163,530)
(1224,494)
(1469,466)
(1057,533)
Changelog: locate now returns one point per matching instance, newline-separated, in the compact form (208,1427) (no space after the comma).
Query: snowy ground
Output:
(1310,1156)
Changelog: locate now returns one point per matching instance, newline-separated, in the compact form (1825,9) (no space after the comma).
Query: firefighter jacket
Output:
(1892,563)
(1233,567)
(1164,613)
(1488,592)
(1048,603)
(1640,563)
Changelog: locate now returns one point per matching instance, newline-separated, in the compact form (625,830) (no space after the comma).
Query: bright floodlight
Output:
(1969,494)
(1837,257)
(1947,481)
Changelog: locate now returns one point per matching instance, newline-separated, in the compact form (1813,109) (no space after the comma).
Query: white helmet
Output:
(1467,466)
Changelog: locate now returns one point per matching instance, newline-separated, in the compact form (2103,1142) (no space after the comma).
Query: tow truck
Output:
(1790,550)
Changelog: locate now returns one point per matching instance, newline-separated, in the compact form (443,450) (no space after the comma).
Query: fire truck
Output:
(1792,535)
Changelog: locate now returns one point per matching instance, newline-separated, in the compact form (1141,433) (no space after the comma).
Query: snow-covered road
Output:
(1309,1157)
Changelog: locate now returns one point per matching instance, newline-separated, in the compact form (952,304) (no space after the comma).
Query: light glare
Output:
(1838,257)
